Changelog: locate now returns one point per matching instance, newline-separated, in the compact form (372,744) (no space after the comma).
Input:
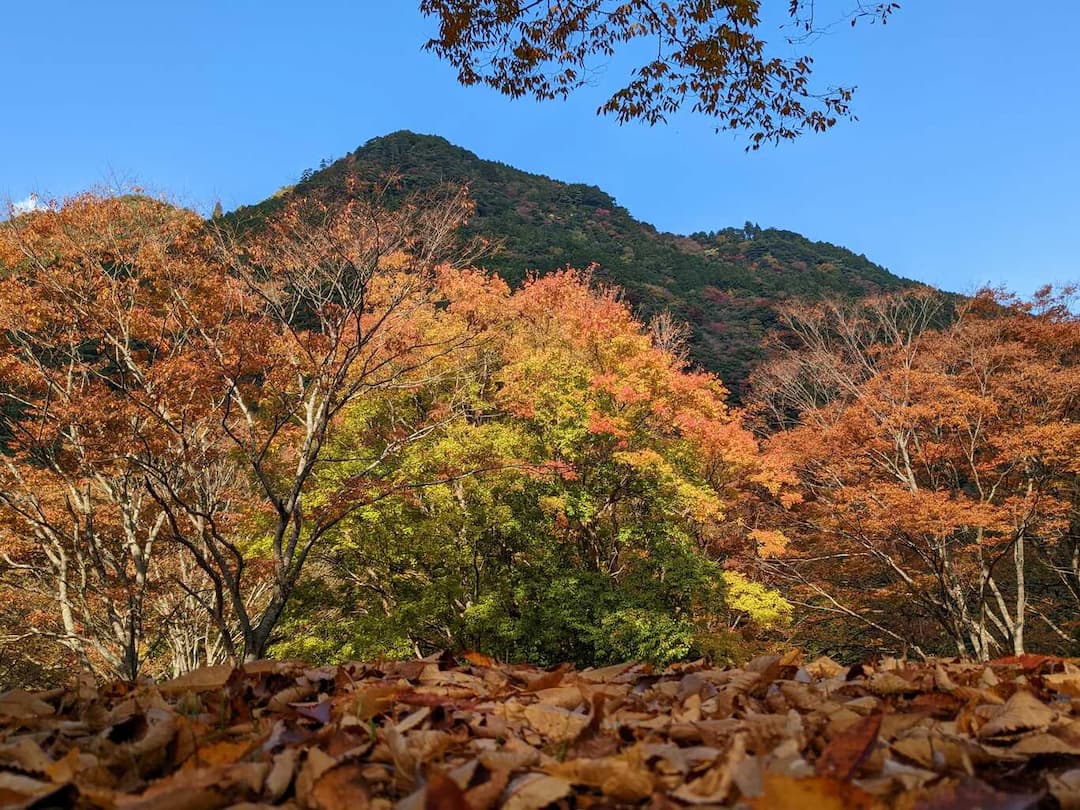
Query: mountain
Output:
(726,284)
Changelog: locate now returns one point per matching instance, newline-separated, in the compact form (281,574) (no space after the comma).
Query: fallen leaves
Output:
(850,748)
(555,724)
(1022,713)
(199,680)
(435,735)
(533,791)
(20,705)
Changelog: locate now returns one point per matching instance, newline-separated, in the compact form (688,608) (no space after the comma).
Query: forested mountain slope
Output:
(727,284)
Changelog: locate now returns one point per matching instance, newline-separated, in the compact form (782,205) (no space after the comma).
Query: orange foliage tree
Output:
(91,336)
(172,391)
(939,452)
(618,407)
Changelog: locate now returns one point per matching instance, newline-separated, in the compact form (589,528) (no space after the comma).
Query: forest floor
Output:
(778,733)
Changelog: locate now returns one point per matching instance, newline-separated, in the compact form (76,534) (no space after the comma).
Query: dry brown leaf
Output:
(486,794)
(622,778)
(565,697)
(546,680)
(716,784)
(889,683)
(200,680)
(849,749)
(316,763)
(942,681)
(150,751)
(1065,787)
(535,790)
(975,695)
(840,720)
(293,694)
(16,789)
(341,787)
(765,731)
(605,674)
(371,700)
(824,668)
(908,777)
(427,744)
(920,749)
(897,724)
(25,755)
(479,659)
(865,705)
(773,734)
(1042,744)
(21,705)
(801,696)
(463,774)
(1028,662)
(941,753)
(443,793)
(712,788)
(968,794)
(555,724)
(209,789)
(281,774)
(414,719)
(937,704)
(271,666)
(223,752)
(67,767)
(1022,712)
(515,755)
(1066,683)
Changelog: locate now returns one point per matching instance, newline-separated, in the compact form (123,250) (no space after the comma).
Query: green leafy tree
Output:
(580,510)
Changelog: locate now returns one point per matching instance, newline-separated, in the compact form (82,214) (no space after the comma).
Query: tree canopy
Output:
(709,55)
(939,454)
(327,437)
(331,437)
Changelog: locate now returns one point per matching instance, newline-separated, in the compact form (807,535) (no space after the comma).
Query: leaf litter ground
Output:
(438,733)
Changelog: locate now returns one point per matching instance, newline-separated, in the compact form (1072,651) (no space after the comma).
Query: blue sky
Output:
(962,170)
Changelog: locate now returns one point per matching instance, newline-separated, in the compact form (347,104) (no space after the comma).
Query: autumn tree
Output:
(175,386)
(711,57)
(653,476)
(330,306)
(88,329)
(939,455)
(197,416)
(593,497)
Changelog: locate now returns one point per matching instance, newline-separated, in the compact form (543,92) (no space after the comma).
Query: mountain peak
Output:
(409,145)
(727,284)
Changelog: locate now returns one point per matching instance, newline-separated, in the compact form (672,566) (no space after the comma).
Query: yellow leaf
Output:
(787,793)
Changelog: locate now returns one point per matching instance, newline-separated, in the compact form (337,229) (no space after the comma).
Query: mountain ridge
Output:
(726,284)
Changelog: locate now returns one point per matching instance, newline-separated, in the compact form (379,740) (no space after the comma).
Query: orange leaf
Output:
(847,751)
(547,680)
(818,793)
(478,659)
(223,752)
(443,793)
(341,788)
(1028,661)
(971,794)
